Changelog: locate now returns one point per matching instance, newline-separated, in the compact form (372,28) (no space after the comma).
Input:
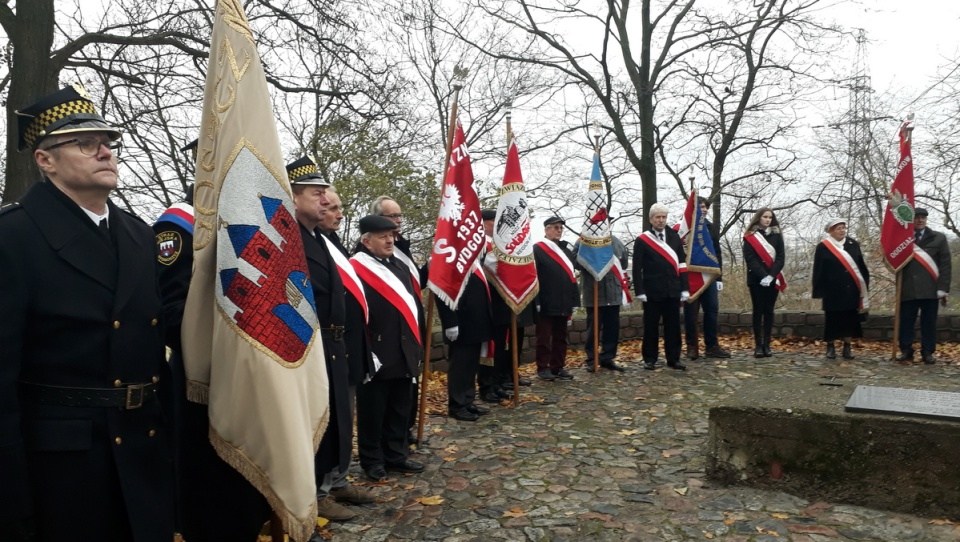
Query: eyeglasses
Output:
(89,146)
(393,216)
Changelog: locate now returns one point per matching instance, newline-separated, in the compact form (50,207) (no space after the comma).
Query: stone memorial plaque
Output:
(929,403)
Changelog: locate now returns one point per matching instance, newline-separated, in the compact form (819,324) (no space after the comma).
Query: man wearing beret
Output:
(926,282)
(396,317)
(84,452)
(558,296)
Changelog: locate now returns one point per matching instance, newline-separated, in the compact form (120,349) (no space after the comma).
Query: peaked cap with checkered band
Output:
(304,172)
(66,111)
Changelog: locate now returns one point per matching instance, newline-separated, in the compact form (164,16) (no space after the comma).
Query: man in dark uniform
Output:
(926,282)
(709,300)
(384,401)
(467,343)
(215,502)
(558,296)
(333,456)
(355,336)
(83,449)
(660,280)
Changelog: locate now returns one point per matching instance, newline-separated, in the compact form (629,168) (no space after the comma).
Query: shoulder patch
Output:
(169,246)
(8,207)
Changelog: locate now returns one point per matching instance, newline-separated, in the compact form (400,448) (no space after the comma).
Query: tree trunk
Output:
(648,164)
(31,78)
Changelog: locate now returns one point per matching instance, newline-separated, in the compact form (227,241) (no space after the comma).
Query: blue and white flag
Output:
(596,249)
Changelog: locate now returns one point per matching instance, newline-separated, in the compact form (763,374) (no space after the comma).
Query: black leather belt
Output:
(128,396)
(334,333)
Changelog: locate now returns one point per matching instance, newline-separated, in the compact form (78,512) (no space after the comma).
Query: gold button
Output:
(152,432)
(117,383)
(116,324)
(155,379)
(333,357)
(153,322)
(118,440)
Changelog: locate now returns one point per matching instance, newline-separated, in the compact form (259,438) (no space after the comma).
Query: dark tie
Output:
(104,227)
(661,235)
(918,235)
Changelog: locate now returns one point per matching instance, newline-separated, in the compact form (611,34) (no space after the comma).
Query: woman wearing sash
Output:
(841,280)
(763,253)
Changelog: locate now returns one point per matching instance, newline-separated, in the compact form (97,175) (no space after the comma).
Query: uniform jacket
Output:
(831,281)
(174,275)
(610,292)
(558,295)
(329,297)
(394,345)
(80,309)
(356,338)
(756,269)
(917,281)
(653,275)
(473,315)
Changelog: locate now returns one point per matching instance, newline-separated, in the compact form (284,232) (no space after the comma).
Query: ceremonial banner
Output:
(250,347)
(596,248)
(703,265)
(510,264)
(896,234)
(459,238)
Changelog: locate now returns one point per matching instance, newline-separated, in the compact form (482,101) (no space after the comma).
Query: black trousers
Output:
(764,299)
(462,376)
(383,412)
(668,311)
(928,324)
(609,334)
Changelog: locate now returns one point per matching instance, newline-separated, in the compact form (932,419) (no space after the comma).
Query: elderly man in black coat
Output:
(83,449)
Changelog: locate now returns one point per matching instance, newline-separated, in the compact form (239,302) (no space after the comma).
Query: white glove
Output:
(719,286)
(642,298)
(765,281)
(866,302)
(941,294)
(684,295)
(570,321)
(452,333)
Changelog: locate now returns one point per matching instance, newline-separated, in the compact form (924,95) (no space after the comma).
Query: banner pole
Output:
(425,375)
(515,357)
(596,325)
(896,315)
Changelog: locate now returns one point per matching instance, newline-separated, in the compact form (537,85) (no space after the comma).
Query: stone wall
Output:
(786,323)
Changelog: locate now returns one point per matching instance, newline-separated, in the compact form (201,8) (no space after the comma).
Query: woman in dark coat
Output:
(841,280)
(764,256)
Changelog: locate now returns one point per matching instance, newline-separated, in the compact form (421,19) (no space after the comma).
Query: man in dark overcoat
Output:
(333,456)
(660,280)
(558,296)
(84,453)
(396,321)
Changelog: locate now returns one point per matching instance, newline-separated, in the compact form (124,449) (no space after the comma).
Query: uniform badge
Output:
(169,244)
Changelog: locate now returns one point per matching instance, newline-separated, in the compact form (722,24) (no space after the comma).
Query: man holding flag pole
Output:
(605,285)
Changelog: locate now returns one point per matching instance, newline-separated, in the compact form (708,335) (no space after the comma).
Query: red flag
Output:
(459,238)
(510,264)
(896,235)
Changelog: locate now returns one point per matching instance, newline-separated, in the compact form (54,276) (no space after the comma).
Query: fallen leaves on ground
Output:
(513,513)
(430,501)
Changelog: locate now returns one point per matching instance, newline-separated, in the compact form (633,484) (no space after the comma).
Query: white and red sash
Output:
(923,258)
(381,279)
(349,277)
(554,251)
(768,254)
(664,250)
(851,266)
(622,279)
(402,257)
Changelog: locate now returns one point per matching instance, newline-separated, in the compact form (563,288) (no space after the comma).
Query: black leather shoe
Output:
(716,352)
(677,365)
(649,365)
(478,410)
(929,359)
(758,352)
(491,397)
(412,438)
(376,473)
(464,416)
(613,367)
(547,375)
(847,353)
(905,357)
(562,374)
(693,351)
(766,351)
(407,465)
(589,367)
(523,382)
(831,351)
(504,392)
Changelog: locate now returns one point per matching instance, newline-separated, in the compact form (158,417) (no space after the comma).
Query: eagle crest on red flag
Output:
(459,237)
(896,234)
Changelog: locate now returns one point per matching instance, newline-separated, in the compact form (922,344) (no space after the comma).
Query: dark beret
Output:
(489,214)
(920,211)
(553,220)
(374,223)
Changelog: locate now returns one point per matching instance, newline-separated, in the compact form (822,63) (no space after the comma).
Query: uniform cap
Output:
(66,111)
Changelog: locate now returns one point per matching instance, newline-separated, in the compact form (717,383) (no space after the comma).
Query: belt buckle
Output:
(135,400)
(338,333)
